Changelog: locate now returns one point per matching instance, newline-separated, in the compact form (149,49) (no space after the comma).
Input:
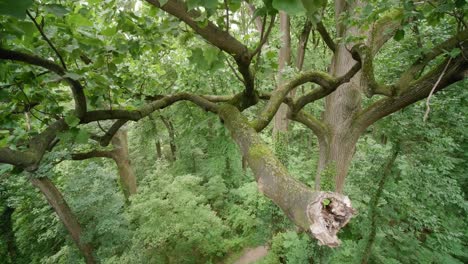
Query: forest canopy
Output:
(170,131)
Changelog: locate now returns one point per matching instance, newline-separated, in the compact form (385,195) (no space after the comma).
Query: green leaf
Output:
(56,9)
(15,8)
(399,35)
(72,120)
(313,6)
(326,202)
(292,7)
(82,137)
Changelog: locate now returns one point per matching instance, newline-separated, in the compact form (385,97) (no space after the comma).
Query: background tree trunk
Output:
(281,120)
(170,130)
(66,216)
(8,234)
(122,160)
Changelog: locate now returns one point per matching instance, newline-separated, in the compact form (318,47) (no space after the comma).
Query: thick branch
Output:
(92,154)
(318,127)
(327,83)
(323,91)
(147,109)
(299,202)
(30,158)
(416,91)
(76,87)
(210,32)
(453,42)
(364,55)
(384,29)
(219,38)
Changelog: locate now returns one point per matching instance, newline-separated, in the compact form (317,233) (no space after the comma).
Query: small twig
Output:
(428,107)
(100,127)
(265,37)
(47,39)
(234,71)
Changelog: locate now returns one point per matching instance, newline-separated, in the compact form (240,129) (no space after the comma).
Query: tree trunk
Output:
(281,120)
(122,160)
(341,109)
(158,149)
(60,206)
(8,234)
(170,130)
(301,204)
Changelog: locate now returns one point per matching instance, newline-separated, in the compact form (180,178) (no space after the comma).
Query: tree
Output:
(103,76)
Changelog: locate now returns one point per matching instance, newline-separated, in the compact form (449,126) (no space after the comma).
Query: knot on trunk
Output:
(329,212)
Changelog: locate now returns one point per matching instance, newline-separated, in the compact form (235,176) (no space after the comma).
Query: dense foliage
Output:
(197,202)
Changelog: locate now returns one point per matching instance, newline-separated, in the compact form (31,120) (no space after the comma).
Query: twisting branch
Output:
(408,76)
(30,158)
(363,54)
(39,28)
(415,91)
(323,91)
(325,36)
(76,87)
(327,83)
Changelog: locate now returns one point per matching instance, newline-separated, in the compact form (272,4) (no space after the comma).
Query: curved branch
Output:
(408,76)
(384,29)
(219,38)
(147,109)
(323,91)
(416,91)
(327,83)
(319,128)
(76,87)
(30,158)
(364,55)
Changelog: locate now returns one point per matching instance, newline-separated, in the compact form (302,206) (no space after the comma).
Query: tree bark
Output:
(66,216)
(8,234)
(158,149)
(170,130)
(341,108)
(281,121)
(121,157)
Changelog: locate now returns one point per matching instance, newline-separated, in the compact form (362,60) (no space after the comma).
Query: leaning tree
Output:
(105,53)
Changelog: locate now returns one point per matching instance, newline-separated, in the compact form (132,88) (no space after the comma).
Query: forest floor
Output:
(251,255)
